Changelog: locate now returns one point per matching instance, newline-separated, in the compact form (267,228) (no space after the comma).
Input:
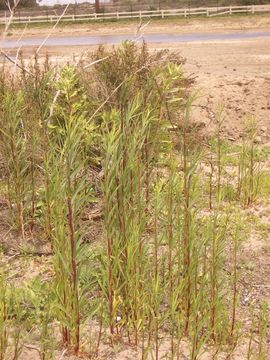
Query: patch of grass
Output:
(264,189)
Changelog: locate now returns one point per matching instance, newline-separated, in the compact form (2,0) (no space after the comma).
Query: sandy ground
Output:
(235,75)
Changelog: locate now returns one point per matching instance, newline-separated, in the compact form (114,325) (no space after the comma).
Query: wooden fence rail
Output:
(210,11)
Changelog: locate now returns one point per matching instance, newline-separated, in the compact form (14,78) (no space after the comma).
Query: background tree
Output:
(97,7)
(28,3)
(7,4)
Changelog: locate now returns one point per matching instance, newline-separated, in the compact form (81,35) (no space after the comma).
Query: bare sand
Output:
(235,75)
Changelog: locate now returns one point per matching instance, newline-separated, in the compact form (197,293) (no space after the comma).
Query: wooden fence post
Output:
(230,10)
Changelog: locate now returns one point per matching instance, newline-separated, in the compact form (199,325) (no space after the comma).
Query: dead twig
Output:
(51,32)
(2,52)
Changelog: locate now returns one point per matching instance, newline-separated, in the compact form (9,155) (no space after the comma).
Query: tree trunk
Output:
(97,7)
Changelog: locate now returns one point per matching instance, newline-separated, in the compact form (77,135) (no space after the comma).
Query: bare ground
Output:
(235,75)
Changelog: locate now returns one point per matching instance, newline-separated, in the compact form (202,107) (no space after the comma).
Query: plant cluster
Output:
(118,132)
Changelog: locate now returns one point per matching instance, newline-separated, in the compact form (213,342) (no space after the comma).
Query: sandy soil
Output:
(235,75)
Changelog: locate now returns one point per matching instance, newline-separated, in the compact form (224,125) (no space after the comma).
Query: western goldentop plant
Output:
(111,145)
(13,140)
(249,169)
(70,193)
(4,313)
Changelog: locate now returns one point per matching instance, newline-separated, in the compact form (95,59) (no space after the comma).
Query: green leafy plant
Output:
(70,193)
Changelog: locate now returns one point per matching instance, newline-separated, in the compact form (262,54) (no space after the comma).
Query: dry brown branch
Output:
(95,62)
(11,16)
(140,30)
(51,31)
(2,52)
(12,9)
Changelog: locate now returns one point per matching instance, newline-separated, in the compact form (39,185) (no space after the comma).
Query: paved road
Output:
(116,39)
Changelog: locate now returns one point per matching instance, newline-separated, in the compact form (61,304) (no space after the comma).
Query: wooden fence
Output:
(210,11)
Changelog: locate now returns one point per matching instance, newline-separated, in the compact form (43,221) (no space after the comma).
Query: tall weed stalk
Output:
(70,193)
